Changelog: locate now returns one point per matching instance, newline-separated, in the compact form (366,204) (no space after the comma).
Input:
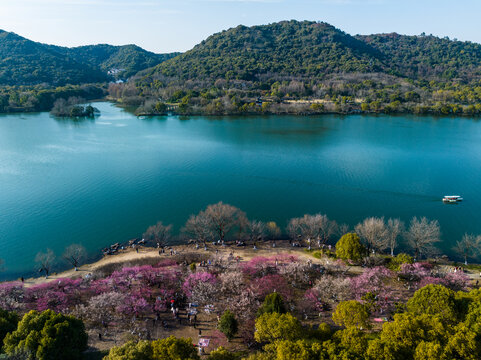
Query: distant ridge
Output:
(25,62)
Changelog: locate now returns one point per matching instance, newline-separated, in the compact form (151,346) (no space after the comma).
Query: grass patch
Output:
(319,254)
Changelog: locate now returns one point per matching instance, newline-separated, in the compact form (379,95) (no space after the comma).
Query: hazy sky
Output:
(177,25)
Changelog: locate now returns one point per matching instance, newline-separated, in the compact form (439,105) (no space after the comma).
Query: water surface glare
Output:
(102,181)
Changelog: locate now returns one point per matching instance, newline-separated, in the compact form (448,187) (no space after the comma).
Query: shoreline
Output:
(128,255)
(245,253)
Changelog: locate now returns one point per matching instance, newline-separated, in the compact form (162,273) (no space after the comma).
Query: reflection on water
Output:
(104,180)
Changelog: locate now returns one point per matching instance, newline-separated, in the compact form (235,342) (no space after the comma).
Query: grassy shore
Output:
(147,254)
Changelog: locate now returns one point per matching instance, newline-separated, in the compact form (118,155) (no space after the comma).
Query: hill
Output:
(288,48)
(428,57)
(312,49)
(128,59)
(25,62)
(311,67)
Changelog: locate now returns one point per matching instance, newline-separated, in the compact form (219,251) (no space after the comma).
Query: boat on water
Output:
(452,198)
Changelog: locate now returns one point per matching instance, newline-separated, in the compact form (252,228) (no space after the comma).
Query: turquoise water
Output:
(102,181)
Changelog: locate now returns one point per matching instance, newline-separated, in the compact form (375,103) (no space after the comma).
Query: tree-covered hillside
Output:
(313,49)
(288,48)
(128,58)
(428,57)
(25,62)
(309,68)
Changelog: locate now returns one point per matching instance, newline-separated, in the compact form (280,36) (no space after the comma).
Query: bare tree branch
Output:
(422,235)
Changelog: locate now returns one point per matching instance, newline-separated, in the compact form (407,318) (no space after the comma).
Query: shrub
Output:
(47,335)
(274,326)
(170,348)
(8,323)
(273,303)
(228,324)
(349,247)
(434,300)
(351,314)
(131,350)
(173,348)
(401,258)
(222,354)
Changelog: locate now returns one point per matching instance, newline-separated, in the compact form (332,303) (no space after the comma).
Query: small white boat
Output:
(452,198)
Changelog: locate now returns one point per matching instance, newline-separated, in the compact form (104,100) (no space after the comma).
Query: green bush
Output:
(349,247)
(272,303)
(171,348)
(228,324)
(271,327)
(8,323)
(131,350)
(434,300)
(401,258)
(351,314)
(47,335)
(222,354)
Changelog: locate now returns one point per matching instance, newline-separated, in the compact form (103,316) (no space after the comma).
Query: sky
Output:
(177,25)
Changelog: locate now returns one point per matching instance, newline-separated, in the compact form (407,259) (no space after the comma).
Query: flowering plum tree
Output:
(272,283)
(260,265)
(11,296)
(194,279)
(375,282)
(332,289)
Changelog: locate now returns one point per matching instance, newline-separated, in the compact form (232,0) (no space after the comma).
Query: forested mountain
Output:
(288,48)
(311,67)
(312,49)
(25,62)
(129,59)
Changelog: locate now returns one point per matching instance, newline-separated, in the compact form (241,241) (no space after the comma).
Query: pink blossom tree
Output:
(374,283)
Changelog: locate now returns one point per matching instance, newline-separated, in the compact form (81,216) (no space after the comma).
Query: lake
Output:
(98,182)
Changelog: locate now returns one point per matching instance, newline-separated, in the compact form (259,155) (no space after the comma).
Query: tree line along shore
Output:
(302,298)
(219,223)
(288,67)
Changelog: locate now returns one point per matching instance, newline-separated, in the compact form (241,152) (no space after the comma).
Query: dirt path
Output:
(126,256)
(245,253)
